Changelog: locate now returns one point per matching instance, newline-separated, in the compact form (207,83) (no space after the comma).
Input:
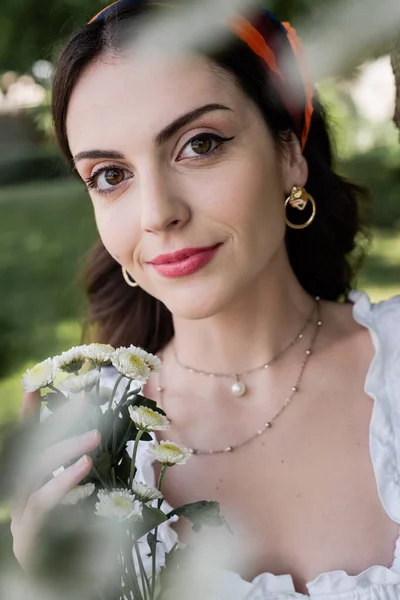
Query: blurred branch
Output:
(396,70)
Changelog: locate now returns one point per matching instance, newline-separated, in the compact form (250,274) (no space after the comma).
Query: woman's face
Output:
(176,157)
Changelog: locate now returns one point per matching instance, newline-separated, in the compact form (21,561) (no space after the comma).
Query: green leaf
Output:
(152,542)
(200,514)
(122,471)
(102,465)
(129,395)
(151,518)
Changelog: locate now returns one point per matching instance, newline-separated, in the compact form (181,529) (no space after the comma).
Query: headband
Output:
(271,41)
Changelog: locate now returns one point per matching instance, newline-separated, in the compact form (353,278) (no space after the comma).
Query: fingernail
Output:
(82,463)
(91,436)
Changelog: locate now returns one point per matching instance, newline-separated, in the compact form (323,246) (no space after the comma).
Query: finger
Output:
(59,424)
(52,459)
(40,503)
(51,494)
(33,441)
(30,405)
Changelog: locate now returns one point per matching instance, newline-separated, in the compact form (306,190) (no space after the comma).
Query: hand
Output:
(39,491)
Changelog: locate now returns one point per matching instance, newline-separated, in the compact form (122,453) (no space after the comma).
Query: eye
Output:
(202,145)
(107,179)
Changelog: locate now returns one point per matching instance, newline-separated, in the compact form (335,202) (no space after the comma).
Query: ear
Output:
(294,165)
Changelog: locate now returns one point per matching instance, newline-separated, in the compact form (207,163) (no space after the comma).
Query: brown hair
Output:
(324,257)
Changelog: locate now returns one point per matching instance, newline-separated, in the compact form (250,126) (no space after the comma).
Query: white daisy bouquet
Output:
(125,419)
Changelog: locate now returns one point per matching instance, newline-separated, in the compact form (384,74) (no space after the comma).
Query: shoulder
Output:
(362,339)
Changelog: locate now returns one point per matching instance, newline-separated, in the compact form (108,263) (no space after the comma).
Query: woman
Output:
(225,241)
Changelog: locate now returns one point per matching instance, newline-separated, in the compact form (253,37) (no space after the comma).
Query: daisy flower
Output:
(99,354)
(169,453)
(78,493)
(72,360)
(118,504)
(147,419)
(135,363)
(80,383)
(40,376)
(145,493)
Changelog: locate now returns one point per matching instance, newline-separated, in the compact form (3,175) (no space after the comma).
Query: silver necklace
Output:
(238,387)
(267,424)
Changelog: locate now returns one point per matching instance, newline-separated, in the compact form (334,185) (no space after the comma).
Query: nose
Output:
(163,205)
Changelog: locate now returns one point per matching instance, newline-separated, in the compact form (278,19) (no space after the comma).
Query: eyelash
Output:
(91,182)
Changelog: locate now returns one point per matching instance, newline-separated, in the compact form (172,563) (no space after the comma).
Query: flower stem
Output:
(160,481)
(114,391)
(126,392)
(123,443)
(103,483)
(131,570)
(54,389)
(154,552)
(145,579)
(134,453)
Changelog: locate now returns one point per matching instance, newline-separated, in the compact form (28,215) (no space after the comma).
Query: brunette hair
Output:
(325,256)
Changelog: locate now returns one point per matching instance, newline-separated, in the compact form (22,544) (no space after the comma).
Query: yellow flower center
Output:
(122,503)
(171,449)
(136,362)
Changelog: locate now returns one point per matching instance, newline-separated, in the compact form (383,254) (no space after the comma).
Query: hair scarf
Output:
(271,40)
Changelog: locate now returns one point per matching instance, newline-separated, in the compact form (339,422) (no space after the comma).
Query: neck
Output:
(257,325)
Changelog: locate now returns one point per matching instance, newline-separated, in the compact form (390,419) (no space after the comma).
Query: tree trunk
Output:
(396,70)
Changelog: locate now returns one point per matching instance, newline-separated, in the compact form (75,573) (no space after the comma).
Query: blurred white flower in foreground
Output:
(135,363)
(144,492)
(147,419)
(41,375)
(118,504)
(75,385)
(169,453)
(78,493)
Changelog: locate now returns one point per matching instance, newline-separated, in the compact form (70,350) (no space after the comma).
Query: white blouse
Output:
(383,386)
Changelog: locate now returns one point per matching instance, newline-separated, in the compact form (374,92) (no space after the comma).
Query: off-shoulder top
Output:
(382,384)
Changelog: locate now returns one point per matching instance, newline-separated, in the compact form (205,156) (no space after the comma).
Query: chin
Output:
(198,302)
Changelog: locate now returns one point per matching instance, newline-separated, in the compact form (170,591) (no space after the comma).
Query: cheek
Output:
(118,231)
(250,197)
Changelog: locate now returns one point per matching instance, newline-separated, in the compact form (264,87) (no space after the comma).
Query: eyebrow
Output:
(161,138)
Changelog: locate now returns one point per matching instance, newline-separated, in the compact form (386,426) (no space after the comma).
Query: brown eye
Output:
(201,145)
(107,179)
(114,176)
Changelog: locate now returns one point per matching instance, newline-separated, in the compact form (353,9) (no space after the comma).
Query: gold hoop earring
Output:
(128,278)
(299,198)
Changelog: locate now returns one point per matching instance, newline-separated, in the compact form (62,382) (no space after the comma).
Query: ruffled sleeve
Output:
(383,385)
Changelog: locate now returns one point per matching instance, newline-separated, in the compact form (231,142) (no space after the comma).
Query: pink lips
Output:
(184,262)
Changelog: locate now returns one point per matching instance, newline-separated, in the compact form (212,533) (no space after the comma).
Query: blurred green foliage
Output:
(30,31)
(27,163)
(46,230)
(379,170)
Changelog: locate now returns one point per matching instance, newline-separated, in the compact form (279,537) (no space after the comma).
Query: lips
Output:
(164,259)
(184,262)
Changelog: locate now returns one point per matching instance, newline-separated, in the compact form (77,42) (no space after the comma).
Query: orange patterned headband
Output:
(271,40)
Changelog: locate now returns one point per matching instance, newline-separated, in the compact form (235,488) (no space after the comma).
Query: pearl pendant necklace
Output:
(238,387)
